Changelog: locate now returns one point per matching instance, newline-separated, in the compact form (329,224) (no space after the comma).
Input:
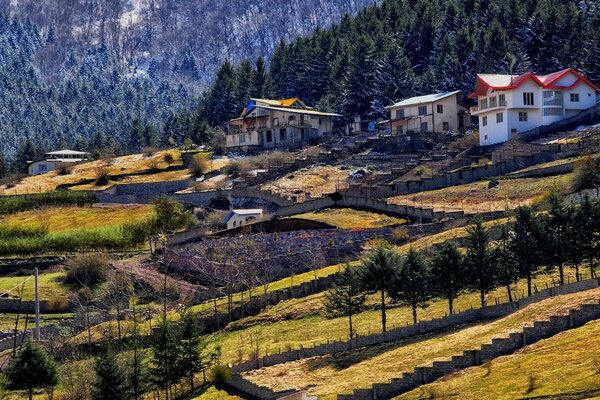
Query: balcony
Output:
(488,106)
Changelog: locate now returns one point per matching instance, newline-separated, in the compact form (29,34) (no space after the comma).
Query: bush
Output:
(218,143)
(14,204)
(137,233)
(102,177)
(199,165)
(65,169)
(423,170)
(399,235)
(586,173)
(57,303)
(87,270)
(168,159)
(220,374)
(170,215)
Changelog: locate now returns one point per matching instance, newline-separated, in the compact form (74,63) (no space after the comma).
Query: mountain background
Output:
(119,75)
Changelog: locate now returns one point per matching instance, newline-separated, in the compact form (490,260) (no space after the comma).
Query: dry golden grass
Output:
(158,177)
(477,197)
(330,375)
(130,164)
(316,181)
(61,219)
(567,366)
(349,218)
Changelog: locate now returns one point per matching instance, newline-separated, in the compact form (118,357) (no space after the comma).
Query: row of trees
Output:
(562,235)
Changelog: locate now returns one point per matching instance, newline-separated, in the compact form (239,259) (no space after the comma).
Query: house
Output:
(440,112)
(269,124)
(237,218)
(54,159)
(510,104)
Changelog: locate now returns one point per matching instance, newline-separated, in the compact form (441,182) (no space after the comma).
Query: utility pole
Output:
(37,307)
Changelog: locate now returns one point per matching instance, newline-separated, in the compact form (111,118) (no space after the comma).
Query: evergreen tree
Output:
(135,137)
(346,298)
(165,357)
(262,85)
(480,270)
(575,235)
(448,274)
(111,381)
(220,105)
(357,91)
(395,77)
(412,285)
(244,84)
(191,346)
(378,274)
(506,269)
(31,369)
(527,243)
(588,231)
(556,226)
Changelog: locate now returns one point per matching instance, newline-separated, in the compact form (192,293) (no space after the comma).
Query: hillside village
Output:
(305,223)
(403,205)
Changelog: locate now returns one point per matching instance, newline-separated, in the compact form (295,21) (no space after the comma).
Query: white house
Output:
(440,112)
(53,159)
(237,218)
(510,104)
(270,124)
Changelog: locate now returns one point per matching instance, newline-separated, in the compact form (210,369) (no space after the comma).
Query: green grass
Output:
(297,322)
(334,374)
(567,366)
(50,285)
(349,218)
(554,163)
(14,204)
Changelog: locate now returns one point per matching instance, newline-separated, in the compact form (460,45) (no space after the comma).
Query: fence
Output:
(423,327)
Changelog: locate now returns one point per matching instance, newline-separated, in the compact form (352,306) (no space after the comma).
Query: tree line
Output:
(564,235)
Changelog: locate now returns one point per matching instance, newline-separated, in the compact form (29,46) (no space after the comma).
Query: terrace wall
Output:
(423,327)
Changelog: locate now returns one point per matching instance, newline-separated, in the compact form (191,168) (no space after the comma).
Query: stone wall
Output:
(423,327)
(498,347)
(152,188)
(25,307)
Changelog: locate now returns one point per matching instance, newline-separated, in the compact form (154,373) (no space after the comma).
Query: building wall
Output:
(435,121)
(241,220)
(41,167)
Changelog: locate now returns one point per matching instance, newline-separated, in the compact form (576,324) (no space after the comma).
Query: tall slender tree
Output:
(527,243)
(480,270)
(448,273)
(412,285)
(346,298)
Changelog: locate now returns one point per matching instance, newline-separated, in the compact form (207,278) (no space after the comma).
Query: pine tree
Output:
(527,243)
(480,270)
(448,273)
(244,84)
(378,274)
(220,105)
(575,238)
(31,369)
(165,357)
(346,298)
(262,85)
(589,231)
(191,346)
(412,285)
(556,226)
(502,257)
(395,77)
(357,91)
(111,381)
(135,136)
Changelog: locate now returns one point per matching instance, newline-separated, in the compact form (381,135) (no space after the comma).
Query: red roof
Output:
(508,82)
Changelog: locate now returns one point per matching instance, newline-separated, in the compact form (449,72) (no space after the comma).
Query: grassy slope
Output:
(477,197)
(567,366)
(61,219)
(50,285)
(348,218)
(330,375)
(316,181)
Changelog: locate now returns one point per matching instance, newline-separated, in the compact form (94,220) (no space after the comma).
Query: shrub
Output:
(102,177)
(214,221)
(57,303)
(532,380)
(586,173)
(400,235)
(87,270)
(168,159)
(200,164)
(137,233)
(170,215)
(65,169)
(218,143)
(220,374)
(423,170)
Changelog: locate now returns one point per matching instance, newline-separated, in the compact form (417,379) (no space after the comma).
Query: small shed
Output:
(237,218)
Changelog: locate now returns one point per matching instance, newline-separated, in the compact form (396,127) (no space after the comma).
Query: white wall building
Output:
(511,104)
(237,218)
(440,112)
(53,159)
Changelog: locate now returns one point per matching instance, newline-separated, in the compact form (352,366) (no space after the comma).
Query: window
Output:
(499,117)
(483,104)
(552,98)
(484,137)
(282,134)
(422,110)
(43,168)
(575,97)
(440,108)
(523,116)
(502,100)
(301,133)
(399,130)
(243,138)
(493,102)
(400,113)
(484,120)
(445,126)
(269,136)
(552,112)
(275,121)
(528,99)
(291,117)
(424,127)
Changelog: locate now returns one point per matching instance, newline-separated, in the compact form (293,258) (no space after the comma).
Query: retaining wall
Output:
(498,347)
(423,327)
